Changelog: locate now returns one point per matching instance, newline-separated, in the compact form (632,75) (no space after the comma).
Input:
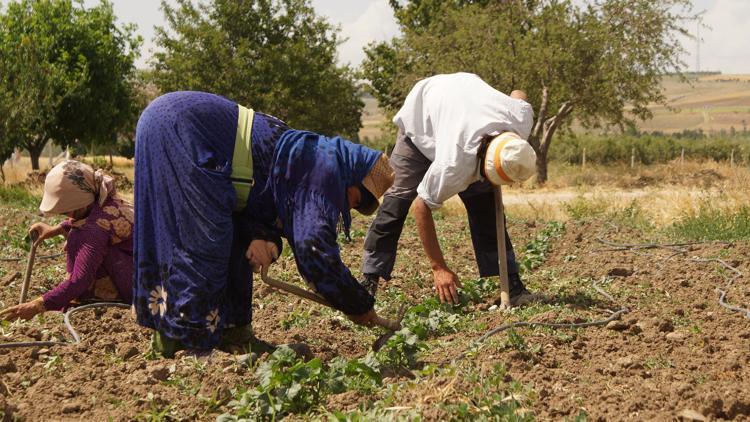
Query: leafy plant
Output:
(358,374)
(295,319)
(401,350)
(376,414)
(288,384)
(536,251)
(491,398)
(52,362)
(517,342)
(475,291)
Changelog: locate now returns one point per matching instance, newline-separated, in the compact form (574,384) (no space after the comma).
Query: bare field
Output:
(676,353)
(711,103)
(373,120)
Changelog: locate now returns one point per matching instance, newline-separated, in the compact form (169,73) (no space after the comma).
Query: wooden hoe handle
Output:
(501,252)
(29,265)
(306,294)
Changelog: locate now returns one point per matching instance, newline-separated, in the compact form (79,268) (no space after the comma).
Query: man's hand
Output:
(446,281)
(44,231)
(261,254)
(446,284)
(24,311)
(367,319)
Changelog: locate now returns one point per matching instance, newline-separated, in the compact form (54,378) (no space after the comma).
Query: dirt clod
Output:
(665,326)
(128,352)
(73,407)
(691,415)
(676,336)
(159,372)
(617,325)
(620,272)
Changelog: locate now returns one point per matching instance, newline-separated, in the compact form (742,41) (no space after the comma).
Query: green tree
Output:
(275,56)
(6,144)
(66,73)
(600,64)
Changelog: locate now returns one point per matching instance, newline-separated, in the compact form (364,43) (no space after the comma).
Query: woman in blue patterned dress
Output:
(216,186)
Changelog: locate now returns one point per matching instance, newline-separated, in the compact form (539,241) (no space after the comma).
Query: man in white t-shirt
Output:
(445,127)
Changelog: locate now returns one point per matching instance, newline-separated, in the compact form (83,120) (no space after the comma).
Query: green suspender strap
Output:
(242,159)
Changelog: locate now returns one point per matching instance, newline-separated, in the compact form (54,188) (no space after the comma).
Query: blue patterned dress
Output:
(192,279)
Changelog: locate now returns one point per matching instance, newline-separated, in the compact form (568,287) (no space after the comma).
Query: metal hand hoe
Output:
(390,325)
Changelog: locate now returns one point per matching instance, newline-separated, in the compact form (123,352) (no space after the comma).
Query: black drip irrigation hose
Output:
(54,255)
(679,249)
(614,316)
(68,325)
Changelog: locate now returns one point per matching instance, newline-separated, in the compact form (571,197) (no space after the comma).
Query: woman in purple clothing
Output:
(99,234)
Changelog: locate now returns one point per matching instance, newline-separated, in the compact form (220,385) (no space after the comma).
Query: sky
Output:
(725,37)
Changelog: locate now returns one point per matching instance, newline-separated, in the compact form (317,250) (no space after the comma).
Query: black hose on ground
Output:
(68,325)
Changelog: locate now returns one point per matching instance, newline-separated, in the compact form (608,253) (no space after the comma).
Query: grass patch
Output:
(18,197)
(633,215)
(713,224)
(584,209)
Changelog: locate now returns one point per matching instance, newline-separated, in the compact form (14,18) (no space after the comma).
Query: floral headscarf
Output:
(72,185)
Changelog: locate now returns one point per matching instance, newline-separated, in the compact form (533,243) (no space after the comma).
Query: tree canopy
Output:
(65,74)
(276,56)
(601,63)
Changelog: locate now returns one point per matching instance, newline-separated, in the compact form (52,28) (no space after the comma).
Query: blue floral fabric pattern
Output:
(192,279)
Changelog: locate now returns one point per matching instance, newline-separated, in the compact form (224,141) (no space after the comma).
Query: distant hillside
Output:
(711,103)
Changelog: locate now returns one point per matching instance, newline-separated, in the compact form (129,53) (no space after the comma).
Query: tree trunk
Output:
(35,148)
(541,167)
(550,127)
(34,155)
(543,131)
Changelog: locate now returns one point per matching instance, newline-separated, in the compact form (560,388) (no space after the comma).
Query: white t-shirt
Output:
(446,117)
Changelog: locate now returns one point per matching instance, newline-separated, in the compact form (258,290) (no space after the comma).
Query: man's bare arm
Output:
(446,281)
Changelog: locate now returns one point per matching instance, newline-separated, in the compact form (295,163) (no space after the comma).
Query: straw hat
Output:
(509,159)
(378,180)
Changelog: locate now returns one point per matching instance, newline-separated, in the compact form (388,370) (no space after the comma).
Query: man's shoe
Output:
(525,297)
(519,295)
(370,283)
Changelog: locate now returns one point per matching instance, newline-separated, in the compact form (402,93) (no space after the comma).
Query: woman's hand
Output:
(367,319)
(261,254)
(44,231)
(24,311)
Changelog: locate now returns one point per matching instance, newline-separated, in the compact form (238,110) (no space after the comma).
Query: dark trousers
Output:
(410,165)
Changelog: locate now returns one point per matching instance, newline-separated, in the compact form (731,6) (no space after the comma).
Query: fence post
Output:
(731,159)
(583,158)
(682,156)
(632,158)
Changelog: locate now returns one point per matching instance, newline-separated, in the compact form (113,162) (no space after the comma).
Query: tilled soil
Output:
(677,353)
